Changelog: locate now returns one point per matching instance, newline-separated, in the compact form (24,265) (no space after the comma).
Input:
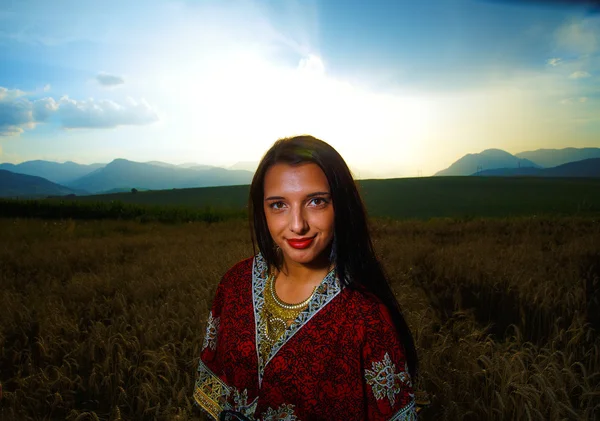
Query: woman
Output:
(308,328)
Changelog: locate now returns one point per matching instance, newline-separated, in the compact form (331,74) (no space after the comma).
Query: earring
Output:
(277,251)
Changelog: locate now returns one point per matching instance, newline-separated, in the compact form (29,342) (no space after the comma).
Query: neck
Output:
(305,273)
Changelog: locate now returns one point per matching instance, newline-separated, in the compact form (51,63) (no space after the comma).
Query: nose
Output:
(298,223)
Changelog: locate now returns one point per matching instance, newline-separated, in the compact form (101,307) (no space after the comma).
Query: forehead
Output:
(304,178)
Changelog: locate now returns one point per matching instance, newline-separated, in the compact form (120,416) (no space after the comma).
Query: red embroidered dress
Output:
(341,359)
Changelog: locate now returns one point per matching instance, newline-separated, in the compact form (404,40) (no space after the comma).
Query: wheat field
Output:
(104,320)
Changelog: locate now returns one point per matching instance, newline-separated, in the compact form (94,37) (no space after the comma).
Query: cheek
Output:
(326,221)
(273,222)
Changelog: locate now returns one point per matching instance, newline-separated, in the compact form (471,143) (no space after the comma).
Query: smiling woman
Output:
(308,328)
(299,212)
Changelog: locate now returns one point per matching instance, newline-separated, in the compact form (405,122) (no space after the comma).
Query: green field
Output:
(424,197)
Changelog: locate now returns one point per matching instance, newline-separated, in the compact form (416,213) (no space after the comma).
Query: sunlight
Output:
(246,102)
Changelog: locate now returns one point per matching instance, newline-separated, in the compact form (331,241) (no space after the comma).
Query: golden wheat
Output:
(104,320)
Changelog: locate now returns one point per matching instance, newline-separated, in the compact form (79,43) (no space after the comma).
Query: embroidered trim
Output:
(408,413)
(241,403)
(259,275)
(212,330)
(329,288)
(212,395)
(211,392)
(384,380)
(284,413)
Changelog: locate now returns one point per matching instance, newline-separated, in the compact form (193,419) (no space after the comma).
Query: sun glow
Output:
(228,92)
(248,102)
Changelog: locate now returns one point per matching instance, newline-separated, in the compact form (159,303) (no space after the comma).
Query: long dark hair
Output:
(354,256)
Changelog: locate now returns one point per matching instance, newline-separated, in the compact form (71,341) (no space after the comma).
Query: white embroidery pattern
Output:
(284,413)
(241,404)
(384,380)
(212,329)
(408,413)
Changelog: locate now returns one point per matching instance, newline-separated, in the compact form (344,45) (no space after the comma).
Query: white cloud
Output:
(107,80)
(579,75)
(312,65)
(43,108)
(104,113)
(554,61)
(10,94)
(18,113)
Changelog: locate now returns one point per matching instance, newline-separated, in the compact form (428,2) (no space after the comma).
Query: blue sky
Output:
(398,87)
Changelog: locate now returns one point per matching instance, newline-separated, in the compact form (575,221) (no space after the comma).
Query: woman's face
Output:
(298,206)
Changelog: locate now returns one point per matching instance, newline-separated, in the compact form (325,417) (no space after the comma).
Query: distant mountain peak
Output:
(56,172)
(488,159)
(554,157)
(121,173)
(23,185)
(495,152)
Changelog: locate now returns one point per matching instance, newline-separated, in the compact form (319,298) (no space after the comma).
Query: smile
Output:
(301,243)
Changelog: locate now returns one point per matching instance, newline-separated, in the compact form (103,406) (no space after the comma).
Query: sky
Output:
(399,88)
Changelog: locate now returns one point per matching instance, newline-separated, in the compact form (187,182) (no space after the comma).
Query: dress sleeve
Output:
(387,384)
(210,392)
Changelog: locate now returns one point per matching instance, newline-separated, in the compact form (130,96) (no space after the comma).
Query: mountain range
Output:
(524,162)
(64,173)
(584,168)
(44,178)
(22,185)
(490,158)
(554,157)
(122,173)
(118,175)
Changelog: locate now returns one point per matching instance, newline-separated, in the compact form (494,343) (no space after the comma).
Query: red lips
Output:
(300,243)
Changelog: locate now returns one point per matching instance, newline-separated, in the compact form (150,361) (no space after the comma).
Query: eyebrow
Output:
(318,193)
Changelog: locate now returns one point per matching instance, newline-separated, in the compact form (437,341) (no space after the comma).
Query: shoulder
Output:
(368,304)
(370,313)
(237,280)
(240,270)
(240,267)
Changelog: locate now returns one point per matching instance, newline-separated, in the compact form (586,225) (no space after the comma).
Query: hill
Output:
(53,171)
(554,157)
(488,159)
(124,174)
(245,165)
(186,165)
(585,168)
(22,185)
(423,197)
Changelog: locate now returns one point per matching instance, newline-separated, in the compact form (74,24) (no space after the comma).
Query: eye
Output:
(276,205)
(318,201)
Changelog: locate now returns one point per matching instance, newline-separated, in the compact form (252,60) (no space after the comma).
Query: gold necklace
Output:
(283,304)
(277,314)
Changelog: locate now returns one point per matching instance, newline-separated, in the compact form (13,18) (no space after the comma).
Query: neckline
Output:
(329,288)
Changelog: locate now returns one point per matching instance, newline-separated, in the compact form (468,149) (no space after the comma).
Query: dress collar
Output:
(329,288)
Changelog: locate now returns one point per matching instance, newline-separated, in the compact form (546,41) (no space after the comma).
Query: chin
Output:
(301,257)
(304,256)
